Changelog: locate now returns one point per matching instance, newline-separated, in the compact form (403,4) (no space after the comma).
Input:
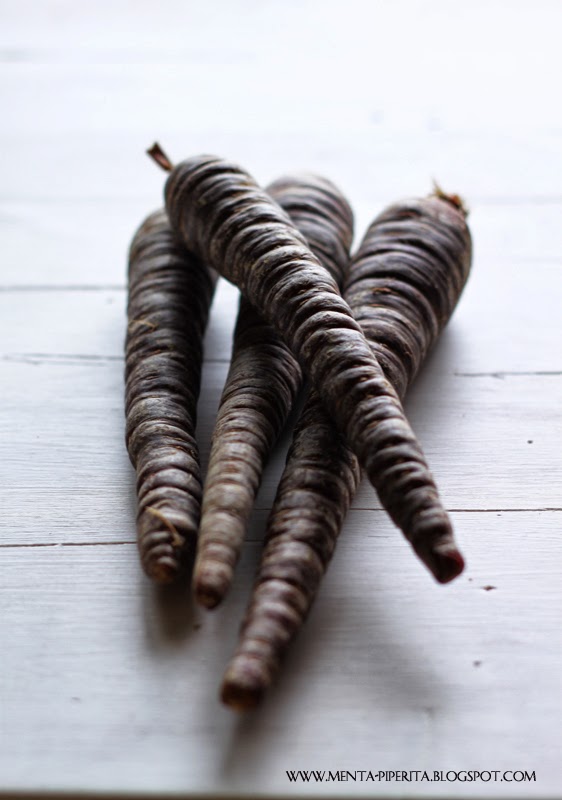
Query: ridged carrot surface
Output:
(221,213)
(170,292)
(260,390)
(402,286)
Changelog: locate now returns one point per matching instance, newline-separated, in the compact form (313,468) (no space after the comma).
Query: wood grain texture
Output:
(85,484)
(506,299)
(514,236)
(103,686)
(481,163)
(88,699)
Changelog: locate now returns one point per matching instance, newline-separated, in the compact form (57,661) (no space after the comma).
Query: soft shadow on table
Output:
(437,393)
(442,362)
(168,613)
(401,680)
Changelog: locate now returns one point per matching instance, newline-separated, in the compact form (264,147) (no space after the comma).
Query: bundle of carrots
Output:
(358,328)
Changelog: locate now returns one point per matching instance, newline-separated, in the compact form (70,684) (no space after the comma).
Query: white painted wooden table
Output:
(107,686)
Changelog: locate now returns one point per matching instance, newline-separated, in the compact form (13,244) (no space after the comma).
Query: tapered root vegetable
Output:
(411,268)
(313,497)
(221,213)
(260,390)
(402,285)
(170,292)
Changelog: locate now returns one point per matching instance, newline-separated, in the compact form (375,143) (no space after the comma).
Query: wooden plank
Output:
(92,327)
(108,686)
(470,68)
(492,443)
(79,129)
(97,96)
(71,243)
(68,34)
(365,162)
(506,321)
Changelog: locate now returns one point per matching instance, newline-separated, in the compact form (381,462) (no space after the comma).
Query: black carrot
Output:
(221,213)
(402,286)
(260,390)
(170,292)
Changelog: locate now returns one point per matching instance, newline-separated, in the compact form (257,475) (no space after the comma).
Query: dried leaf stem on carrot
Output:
(170,293)
(222,215)
(260,390)
(402,286)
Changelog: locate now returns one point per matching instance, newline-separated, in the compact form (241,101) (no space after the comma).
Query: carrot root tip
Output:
(162,570)
(242,689)
(447,564)
(239,699)
(211,584)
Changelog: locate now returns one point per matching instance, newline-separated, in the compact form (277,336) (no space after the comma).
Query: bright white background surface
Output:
(109,686)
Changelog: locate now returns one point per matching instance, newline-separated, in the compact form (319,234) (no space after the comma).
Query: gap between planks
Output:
(508,374)
(70,359)
(68,287)
(251,540)
(98,199)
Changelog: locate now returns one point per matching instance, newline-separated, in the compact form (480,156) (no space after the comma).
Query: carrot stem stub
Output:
(233,225)
(170,293)
(402,285)
(160,157)
(260,390)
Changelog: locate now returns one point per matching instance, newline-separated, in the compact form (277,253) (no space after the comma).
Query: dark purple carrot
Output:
(170,293)
(219,211)
(260,390)
(402,286)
